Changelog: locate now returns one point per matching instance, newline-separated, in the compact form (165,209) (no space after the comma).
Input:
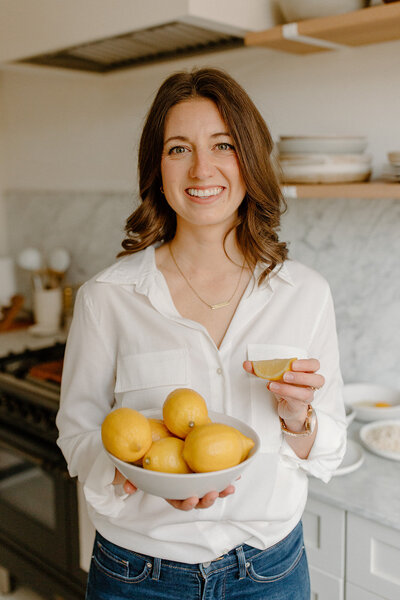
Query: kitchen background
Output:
(68,149)
(68,178)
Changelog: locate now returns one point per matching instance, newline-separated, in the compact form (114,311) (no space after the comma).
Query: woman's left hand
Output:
(296,391)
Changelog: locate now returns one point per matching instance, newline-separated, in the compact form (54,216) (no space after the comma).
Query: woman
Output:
(203,289)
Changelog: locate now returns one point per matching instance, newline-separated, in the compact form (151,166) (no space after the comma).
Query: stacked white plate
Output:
(392,171)
(323,159)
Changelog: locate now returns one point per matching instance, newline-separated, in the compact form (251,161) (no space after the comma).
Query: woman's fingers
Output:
(120,479)
(247,366)
(307,365)
(187,504)
(205,502)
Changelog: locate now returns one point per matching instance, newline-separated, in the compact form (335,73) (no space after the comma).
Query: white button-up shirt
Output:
(129,346)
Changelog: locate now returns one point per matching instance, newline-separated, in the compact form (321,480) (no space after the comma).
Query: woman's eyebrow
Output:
(182,138)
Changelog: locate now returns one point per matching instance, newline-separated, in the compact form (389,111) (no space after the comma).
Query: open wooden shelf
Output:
(373,189)
(371,25)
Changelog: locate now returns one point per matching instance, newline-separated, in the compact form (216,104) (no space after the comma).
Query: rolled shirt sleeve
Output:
(87,395)
(330,443)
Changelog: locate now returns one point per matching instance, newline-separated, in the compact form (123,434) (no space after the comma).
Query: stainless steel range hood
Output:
(154,44)
(106,35)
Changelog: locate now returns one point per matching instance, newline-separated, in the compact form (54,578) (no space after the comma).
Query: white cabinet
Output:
(373,557)
(356,593)
(349,556)
(325,586)
(324,538)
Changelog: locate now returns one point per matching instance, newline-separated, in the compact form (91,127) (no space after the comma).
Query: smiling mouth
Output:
(204,193)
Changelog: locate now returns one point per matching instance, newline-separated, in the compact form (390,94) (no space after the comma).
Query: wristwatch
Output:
(309,424)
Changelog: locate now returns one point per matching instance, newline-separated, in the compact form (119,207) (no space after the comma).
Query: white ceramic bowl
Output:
(180,486)
(380,429)
(346,172)
(356,394)
(326,144)
(297,10)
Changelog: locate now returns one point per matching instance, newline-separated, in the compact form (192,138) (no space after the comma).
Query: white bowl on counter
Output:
(327,144)
(298,10)
(362,398)
(180,486)
(382,438)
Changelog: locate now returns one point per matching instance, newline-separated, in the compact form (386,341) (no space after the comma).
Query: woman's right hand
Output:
(120,479)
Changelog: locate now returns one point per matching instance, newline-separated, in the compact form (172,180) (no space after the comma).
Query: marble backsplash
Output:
(355,244)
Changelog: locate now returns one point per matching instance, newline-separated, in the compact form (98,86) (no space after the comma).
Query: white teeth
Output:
(204,193)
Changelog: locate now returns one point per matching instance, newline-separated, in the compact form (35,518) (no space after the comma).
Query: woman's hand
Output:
(119,479)
(204,502)
(296,391)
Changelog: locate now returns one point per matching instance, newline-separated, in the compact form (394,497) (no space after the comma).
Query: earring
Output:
(161,189)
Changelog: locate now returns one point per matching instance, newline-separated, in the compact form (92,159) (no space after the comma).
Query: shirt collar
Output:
(135,268)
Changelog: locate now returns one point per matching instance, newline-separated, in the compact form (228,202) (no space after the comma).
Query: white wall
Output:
(74,131)
(3,229)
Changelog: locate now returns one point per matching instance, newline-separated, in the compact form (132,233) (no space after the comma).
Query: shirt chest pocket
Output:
(144,380)
(264,415)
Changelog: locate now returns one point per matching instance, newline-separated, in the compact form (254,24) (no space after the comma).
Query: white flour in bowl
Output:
(386,437)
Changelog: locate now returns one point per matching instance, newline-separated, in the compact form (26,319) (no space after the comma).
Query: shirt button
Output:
(219,371)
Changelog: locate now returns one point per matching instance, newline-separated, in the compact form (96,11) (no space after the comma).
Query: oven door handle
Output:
(37,460)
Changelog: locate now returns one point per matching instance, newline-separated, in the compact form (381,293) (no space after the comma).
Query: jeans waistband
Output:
(235,558)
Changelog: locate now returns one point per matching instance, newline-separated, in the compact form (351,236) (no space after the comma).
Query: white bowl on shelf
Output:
(361,397)
(325,168)
(180,486)
(298,10)
(326,144)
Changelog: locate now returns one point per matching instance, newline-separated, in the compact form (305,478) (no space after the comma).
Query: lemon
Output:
(274,369)
(158,429)
(182,410)
(214,446)
(247,445)
(126,434)
(165,455)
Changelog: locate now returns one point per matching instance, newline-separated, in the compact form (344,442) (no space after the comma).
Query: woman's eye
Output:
(177,150)
(225,146)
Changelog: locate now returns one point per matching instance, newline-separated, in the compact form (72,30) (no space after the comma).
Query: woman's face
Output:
(200,171)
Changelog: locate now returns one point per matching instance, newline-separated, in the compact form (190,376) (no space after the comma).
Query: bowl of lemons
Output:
(179,450)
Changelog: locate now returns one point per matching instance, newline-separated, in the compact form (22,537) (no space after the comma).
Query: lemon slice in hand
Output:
(274,369)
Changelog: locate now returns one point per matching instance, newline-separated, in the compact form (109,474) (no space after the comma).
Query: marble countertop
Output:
(372,491)
(20,340)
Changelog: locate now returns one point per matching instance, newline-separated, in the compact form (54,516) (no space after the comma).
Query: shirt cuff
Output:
(327,452)
(100,493)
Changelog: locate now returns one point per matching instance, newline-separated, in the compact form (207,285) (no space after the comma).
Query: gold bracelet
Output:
(309,424)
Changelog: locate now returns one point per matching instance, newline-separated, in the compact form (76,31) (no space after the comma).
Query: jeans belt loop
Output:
(156,569)
(241,561)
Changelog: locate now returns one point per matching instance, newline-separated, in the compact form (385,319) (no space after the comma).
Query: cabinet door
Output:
(353,592)
(373,557)
(324,586)
(324,537)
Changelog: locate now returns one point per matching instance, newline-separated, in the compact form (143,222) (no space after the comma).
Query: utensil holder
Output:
(47,308)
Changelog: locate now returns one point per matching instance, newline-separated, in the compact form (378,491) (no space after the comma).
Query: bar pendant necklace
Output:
(211,306)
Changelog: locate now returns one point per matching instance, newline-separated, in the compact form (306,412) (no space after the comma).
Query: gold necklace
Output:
(212,306)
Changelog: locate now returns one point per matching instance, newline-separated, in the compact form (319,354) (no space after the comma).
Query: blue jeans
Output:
(278,573)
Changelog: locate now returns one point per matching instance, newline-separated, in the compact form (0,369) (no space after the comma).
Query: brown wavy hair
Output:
(260,212)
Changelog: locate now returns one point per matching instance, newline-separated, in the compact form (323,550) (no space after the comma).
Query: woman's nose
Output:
(201,166)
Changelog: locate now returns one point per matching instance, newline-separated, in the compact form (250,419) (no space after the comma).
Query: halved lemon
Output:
(274,369)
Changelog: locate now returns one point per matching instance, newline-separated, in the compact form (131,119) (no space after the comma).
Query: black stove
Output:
(39,531)
(28,402)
